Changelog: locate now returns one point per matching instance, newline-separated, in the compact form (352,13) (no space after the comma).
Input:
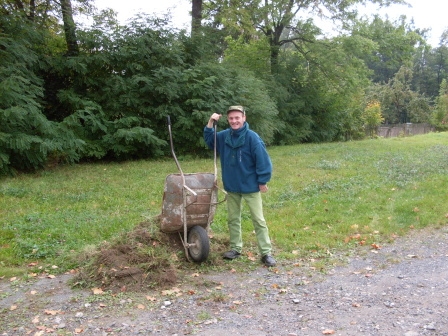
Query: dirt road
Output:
(401,289)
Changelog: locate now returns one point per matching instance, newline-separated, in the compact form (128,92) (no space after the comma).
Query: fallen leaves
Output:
(251,256)
(52,312)
(97,291)
(173,291)
(356,236)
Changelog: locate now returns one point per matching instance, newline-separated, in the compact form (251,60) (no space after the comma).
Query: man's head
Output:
(236,116)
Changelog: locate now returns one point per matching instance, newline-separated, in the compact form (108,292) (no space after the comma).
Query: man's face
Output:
(236,119)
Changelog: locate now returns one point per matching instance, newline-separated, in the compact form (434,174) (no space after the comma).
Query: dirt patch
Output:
(136,261)
(399,289)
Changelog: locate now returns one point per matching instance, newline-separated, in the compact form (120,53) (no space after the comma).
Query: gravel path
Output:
(401,289)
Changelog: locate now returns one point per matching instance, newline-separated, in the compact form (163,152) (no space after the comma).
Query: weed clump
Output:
(140,259)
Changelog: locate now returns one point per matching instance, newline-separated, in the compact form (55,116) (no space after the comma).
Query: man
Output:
(246,170)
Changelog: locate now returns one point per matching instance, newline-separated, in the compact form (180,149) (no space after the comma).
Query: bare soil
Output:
(399,289)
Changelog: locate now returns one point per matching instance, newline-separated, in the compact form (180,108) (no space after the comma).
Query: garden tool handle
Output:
(168,119)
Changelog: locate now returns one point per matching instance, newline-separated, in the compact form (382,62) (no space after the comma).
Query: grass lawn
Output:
(322,198)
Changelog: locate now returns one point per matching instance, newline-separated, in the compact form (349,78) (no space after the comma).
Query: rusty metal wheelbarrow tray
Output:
(189,204)
(200,196)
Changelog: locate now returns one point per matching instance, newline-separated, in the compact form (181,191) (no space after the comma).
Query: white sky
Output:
(426,13)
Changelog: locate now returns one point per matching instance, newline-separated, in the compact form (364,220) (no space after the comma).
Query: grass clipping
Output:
(141,259)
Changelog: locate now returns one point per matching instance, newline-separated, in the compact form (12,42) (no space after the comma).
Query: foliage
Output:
(439,116)
(112,100)
(320,100)
(252,55)
(399,103)
(431,67)
(372,117)
(279,20)
(395,45)
(27,138)
(104,91)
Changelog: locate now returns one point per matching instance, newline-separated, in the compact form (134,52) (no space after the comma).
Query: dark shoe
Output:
(268,260)
(231,255)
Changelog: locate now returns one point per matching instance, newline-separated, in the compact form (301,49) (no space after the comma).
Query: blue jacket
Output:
(245,163)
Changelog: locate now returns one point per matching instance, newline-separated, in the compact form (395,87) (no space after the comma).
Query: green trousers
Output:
(234,207)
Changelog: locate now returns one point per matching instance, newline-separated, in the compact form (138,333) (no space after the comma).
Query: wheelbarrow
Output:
(189,205)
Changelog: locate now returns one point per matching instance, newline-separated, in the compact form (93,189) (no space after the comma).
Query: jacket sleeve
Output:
(263,163)
(209,137)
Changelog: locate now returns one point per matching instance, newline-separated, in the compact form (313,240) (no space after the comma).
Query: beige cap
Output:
(236,108)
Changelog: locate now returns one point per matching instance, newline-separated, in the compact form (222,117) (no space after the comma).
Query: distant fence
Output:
(395,130)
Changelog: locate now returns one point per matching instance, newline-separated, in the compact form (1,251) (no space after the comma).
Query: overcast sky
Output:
(426,13)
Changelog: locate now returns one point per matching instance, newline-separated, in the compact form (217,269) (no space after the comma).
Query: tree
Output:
(400,104)
(45,14)
(433,67)
(372,117)
(439,116)
(278,20)
(396,44)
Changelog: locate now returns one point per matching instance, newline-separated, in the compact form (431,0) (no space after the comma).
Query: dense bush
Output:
(27,138)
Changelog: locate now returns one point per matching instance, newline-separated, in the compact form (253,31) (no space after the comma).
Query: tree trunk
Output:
(69,28)
(32,14)
(196,16)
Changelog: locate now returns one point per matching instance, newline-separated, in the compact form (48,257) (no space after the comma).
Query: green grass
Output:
(322,198)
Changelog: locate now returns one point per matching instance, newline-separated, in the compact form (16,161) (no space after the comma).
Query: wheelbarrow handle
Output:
(168,119)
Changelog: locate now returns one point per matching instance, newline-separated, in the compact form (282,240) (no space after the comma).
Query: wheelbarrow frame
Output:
(194,212)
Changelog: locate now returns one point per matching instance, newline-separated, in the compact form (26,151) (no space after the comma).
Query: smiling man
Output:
(246,170)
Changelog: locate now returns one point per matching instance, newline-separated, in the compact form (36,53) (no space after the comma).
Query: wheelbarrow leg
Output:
(184,220)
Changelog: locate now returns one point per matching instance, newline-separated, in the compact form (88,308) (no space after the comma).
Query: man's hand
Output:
(215,116)
(263,188)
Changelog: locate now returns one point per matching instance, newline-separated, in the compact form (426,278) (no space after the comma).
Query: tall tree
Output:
(400,104)
(279,20)
(440,114)
(47,13)
(396,44)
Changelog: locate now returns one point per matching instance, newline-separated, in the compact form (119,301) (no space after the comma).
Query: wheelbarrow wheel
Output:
(199,237)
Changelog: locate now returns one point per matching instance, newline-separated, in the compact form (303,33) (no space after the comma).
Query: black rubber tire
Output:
(198,236)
